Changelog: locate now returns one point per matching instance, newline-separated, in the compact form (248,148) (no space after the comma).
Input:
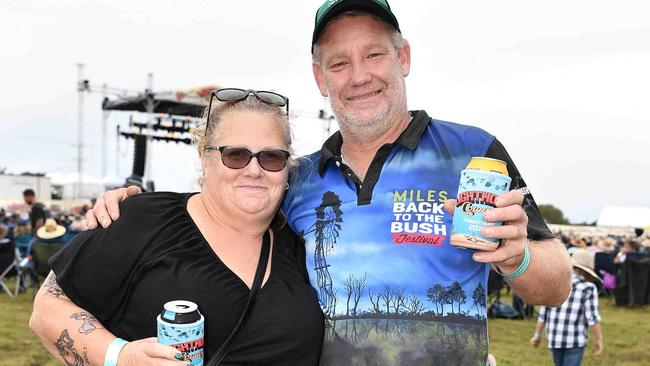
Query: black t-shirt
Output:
(155,253)
(37,212)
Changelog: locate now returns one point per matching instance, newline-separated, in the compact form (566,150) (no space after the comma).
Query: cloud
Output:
(603,42)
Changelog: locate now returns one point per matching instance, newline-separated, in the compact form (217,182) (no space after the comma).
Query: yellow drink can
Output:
(480,183)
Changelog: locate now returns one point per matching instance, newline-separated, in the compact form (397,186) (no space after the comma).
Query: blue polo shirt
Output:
(393,289)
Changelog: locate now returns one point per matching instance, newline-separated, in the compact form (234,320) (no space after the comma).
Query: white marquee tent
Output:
(633,217)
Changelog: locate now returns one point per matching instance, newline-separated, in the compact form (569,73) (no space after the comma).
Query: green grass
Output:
(18,345)
(626,332)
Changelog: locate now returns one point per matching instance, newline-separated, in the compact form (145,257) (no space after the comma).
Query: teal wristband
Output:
(113,351)
(522,267)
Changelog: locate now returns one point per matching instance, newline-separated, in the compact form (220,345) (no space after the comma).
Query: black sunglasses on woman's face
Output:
(238,157)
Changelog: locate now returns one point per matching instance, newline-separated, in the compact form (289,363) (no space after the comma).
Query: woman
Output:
(200,247)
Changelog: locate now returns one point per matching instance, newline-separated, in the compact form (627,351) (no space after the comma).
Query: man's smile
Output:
(364,96)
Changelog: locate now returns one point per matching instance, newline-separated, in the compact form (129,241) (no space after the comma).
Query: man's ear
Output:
(404,56)
(319,77)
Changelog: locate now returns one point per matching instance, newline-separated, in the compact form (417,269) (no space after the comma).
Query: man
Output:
(38,212)
(370,203)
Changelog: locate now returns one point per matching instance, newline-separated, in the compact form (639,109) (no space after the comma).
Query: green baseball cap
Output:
(332,8)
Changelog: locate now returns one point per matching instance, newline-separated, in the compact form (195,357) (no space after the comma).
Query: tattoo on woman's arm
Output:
(89,324)
(52,287)
(71,357)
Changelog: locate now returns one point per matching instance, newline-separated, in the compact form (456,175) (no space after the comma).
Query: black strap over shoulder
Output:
(257,283)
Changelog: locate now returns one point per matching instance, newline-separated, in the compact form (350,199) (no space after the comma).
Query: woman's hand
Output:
(148,352)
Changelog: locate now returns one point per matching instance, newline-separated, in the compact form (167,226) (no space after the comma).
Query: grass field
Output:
(626,333)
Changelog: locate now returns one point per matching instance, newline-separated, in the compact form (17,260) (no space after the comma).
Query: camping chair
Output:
(524,310)
(9,257)
(24,244)
(42,253)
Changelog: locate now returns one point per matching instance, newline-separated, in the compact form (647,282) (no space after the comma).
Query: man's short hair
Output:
(29,192)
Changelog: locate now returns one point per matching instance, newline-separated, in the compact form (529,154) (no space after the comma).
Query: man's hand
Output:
(512,233)
(107,207)
(149,352)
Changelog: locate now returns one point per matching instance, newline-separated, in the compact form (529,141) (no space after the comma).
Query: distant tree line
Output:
(554,215)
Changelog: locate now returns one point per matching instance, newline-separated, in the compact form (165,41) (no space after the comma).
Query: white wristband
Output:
(113,351)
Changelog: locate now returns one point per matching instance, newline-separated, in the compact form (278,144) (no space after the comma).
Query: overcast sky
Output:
(565,85)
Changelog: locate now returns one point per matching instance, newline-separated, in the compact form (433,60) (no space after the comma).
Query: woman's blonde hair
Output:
(203,138)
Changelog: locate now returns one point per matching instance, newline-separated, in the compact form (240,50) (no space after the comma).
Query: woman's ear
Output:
(204,160)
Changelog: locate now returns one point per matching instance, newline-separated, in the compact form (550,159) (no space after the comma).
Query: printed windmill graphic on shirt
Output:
(326,228)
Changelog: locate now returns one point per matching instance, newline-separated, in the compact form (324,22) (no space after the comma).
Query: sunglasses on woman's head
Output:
(237,95)
(239,157)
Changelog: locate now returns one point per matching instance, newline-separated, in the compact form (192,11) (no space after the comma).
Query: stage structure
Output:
(171,117)
(85,87)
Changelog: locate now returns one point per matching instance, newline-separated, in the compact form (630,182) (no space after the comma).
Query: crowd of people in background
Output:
(619,258)
(608,255)
(637,240)
(32,224)
(13,224)
(30,217)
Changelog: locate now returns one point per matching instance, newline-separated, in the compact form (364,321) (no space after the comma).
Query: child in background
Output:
(22,230)
(567,324)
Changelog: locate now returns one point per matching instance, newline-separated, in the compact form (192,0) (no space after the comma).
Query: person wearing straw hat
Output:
(47,236)
(567,325)
(50,232)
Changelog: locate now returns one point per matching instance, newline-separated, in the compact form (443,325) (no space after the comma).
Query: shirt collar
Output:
(576,278)
(409,138)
